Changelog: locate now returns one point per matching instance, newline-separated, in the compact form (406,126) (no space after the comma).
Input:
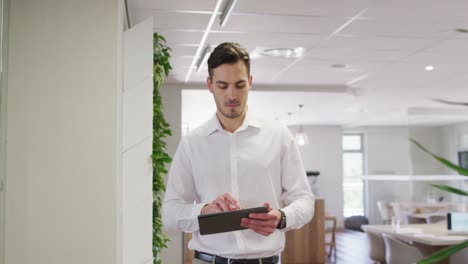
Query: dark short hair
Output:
(230,53)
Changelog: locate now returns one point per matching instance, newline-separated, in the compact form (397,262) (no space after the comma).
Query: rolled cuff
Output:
(196,211)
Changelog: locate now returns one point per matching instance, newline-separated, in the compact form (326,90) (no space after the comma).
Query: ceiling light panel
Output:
(288,53)
(276,24)
(226,13)
(429,68)
(202,60)
(201,5)
(252,39)
(304,7)
(201,46)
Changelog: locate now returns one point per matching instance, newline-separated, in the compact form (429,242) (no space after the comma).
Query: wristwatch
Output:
(282,222)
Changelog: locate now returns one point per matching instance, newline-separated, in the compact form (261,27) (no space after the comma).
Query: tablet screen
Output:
(226,221)
(458,221)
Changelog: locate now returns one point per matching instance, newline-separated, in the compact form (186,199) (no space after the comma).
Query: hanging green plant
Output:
(161,130)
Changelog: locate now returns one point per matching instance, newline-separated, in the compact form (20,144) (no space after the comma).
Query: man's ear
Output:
(250,82)
(209,84)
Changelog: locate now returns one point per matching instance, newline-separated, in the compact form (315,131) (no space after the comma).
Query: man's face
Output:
(230,85)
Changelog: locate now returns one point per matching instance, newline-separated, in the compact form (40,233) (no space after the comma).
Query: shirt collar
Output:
(214,124)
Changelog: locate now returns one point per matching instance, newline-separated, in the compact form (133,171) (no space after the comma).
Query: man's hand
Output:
(263,223)
(224,202)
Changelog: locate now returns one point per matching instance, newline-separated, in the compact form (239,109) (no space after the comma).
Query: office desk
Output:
(428,238)
(423,206)
(428,234)
(427,216)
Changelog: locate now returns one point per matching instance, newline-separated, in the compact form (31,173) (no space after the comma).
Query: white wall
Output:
(424,164)
(324,153)
(387,152)
(62,131)
(137,169)
(431,138)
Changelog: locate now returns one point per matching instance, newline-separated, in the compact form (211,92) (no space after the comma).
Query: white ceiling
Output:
(386,49)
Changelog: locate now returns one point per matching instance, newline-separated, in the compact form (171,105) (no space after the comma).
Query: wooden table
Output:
(428,238)
(307,244)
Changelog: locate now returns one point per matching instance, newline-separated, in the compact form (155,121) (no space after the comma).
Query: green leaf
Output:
(450,189)
(444,253)
(161,129)
(447,163)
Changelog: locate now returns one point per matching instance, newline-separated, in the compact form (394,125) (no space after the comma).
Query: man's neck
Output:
(231,124)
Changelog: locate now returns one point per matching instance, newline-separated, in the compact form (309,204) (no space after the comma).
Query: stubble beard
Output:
(232,113)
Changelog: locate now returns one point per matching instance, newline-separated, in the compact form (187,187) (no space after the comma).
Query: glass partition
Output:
(444,132)
(399,176)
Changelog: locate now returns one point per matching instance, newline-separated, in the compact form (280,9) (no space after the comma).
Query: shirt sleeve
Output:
(180,210)
(296,192)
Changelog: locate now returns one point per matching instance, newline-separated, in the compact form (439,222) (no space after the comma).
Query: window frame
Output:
(363,164)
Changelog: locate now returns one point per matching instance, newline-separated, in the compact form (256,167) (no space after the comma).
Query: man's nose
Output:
(231,93)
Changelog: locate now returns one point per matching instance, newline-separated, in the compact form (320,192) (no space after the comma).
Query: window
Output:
(353,170)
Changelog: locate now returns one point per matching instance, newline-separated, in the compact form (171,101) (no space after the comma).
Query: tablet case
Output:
(226,221)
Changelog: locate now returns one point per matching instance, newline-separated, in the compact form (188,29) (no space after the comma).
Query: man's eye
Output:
(242,85)
(222,86)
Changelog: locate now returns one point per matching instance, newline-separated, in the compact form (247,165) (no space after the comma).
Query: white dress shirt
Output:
(258,163)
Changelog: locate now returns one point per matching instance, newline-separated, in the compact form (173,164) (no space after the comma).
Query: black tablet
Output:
(226,221)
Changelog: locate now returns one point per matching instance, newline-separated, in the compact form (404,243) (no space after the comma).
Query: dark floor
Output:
(351,248)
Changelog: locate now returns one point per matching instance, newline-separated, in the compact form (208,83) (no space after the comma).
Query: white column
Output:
(62,132)
(137,144)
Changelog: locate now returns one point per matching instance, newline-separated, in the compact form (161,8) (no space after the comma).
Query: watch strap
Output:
(282,222)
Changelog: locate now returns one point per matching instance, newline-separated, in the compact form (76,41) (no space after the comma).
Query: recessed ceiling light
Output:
(284,52)
(339,66)
(429,68)
(281,52)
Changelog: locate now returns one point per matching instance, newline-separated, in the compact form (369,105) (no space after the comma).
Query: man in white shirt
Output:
(234,161)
